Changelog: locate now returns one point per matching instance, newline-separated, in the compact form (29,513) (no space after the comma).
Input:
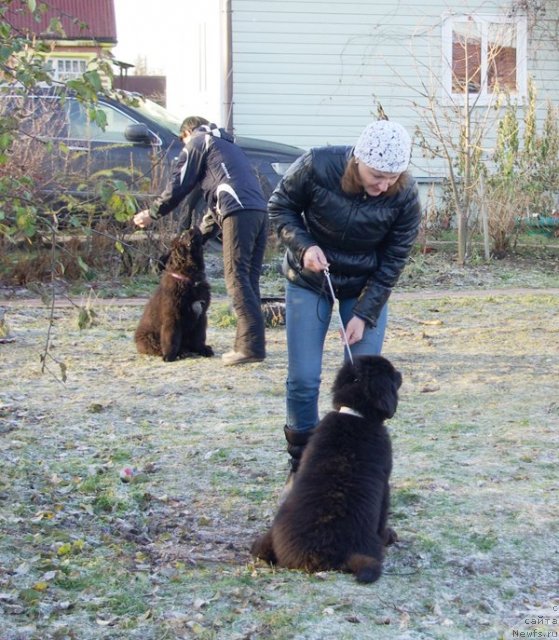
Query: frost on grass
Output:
(85,555)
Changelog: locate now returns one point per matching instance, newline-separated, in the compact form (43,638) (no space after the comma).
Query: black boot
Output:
(296,443)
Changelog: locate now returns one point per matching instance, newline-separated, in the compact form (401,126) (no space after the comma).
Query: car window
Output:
(82,128)
(37,116)
(153,111)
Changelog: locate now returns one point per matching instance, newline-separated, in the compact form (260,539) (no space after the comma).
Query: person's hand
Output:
(354,330)
(314,259)
(142,219)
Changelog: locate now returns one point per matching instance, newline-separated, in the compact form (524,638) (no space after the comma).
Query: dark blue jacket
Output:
(367,240)
(212,161)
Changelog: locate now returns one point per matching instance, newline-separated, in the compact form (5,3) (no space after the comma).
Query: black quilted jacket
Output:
(367,240)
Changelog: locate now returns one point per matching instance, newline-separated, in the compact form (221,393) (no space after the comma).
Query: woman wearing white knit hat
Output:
(354,211)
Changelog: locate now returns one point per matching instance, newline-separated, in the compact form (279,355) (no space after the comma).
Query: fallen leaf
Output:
(430,388)
(109,622)
(146,615)
(199,603)
(50,575)
(22,569)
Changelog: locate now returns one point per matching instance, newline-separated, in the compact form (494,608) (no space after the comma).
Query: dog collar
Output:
(351,412)
(178,276)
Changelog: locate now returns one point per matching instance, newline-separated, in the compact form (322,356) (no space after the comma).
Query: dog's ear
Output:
(387,398)
(162,261)
(347,388)
(381,382)
(345,376)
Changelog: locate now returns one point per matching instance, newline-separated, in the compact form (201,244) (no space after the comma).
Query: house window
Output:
(484,55)
(68,68)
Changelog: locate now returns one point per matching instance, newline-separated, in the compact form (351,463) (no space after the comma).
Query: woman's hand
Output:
(314,259)
(142,219)
(354,330)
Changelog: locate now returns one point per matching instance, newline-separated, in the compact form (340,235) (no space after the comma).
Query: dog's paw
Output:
(389,536)
(207,351)
(365,568)
(263,548)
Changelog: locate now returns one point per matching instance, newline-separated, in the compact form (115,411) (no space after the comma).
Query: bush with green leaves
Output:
(26,169)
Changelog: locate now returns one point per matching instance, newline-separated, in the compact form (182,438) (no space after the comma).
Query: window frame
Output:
(63,75)
(484,96)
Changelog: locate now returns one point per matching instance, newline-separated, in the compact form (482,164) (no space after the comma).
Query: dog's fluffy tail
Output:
(365,568)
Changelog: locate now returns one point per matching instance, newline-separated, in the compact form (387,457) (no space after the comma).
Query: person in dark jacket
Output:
(212,162)
(356,211)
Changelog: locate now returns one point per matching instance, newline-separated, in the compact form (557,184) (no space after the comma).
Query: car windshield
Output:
(158,113)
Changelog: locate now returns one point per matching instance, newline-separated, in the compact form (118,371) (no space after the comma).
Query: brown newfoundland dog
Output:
(335,516)
(174,321)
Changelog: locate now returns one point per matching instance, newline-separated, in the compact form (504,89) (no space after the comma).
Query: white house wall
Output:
(313,72)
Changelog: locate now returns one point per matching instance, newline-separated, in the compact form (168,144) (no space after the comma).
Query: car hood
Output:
(256,144)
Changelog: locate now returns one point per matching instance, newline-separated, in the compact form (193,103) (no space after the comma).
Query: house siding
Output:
(313,72)
(309,71)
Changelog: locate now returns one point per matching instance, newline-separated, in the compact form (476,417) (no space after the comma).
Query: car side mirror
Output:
(137,133)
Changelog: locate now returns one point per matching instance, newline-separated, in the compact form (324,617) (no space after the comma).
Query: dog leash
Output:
(336,303)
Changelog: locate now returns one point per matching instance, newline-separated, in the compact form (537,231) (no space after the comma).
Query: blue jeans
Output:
(307,317)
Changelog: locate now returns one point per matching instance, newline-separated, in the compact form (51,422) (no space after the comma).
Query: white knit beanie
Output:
(384,146)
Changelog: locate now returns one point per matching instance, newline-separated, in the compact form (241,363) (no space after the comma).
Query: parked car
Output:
(138,145)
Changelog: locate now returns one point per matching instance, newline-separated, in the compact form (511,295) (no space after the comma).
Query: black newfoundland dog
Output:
(335,516)
(174,321)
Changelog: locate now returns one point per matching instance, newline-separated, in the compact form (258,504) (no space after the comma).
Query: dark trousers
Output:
(244,241)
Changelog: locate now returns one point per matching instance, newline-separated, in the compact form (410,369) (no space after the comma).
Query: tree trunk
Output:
(462,236)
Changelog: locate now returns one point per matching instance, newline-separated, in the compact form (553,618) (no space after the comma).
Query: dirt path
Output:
(399,294)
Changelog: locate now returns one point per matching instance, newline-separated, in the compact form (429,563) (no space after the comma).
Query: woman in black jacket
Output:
(355,211)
